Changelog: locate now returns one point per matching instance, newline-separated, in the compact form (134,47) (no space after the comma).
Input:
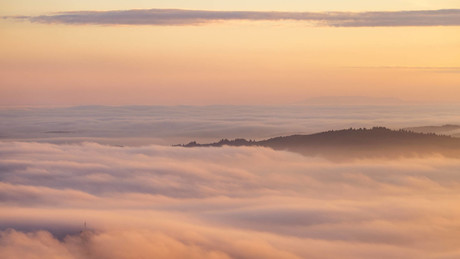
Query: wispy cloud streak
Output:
(447,17)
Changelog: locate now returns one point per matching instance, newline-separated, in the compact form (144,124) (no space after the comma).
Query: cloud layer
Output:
(171,202)
(448,17)
(167,125)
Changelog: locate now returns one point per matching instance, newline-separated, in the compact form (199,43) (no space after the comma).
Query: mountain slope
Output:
(340,144)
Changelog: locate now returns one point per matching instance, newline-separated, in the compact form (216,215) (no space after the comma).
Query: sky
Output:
(45,60)
(94,94)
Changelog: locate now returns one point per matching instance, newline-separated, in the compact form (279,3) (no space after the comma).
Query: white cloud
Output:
(228,202)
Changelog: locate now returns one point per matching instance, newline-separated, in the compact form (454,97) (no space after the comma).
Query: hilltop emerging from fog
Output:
(448,129)
(374,142)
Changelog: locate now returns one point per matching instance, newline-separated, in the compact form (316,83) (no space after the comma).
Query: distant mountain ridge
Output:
(352,100)
(447,129)
(374,142)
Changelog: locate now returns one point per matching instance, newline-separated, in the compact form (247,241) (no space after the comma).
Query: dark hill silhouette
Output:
(355,143)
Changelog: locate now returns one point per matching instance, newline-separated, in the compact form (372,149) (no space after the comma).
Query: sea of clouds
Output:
(167,125)
(231,202)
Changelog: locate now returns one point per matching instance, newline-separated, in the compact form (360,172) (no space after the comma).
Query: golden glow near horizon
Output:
(233,62)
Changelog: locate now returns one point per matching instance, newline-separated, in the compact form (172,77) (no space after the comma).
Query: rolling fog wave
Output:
(167,125)
(228,202)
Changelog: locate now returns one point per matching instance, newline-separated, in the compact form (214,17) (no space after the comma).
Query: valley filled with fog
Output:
(96,192)
(167,125)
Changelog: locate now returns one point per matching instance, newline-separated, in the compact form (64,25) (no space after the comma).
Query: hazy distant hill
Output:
(448,129)
(351,100)
(375,142)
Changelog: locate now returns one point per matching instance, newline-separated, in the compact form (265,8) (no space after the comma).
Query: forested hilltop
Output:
(362,142)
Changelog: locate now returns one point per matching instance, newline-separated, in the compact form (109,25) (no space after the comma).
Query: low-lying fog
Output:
(62,167)
(228,202)
(167,125)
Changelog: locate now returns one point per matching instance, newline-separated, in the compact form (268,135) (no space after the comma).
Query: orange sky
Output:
(232,62)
